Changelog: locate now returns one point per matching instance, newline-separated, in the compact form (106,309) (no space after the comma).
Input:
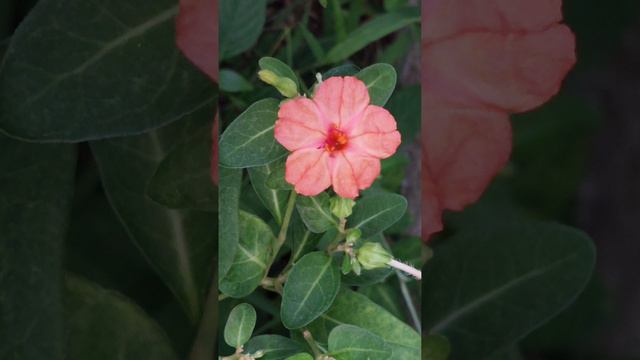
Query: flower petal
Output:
(351,172)
(300,125)
(374,134)
(308,171)
(341,99)
(197,34)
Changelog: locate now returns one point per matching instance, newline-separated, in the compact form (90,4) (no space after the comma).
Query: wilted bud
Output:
(341,207)
(353,235)
(284,85)
(372,256)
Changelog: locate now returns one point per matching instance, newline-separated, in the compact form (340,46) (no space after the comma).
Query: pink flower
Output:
(337,138)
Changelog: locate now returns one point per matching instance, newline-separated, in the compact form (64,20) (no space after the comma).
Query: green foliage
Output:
(348,342)
(380,80)
(241,23)
(240,325)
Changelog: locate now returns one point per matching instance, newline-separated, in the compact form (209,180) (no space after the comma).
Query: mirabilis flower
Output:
(337,138)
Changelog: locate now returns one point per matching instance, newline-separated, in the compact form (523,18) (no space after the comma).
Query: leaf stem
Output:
(312,343)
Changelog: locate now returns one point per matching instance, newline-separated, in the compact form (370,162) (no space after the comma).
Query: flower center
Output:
(336,140)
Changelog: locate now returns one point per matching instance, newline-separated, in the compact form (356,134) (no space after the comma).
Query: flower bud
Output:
(372,256)
(341,207)
(353,235)
(284,85)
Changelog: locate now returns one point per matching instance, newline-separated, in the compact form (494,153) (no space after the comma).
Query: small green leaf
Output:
(105,325)
(183,178)
(371,31)
(279,68)
(230,184)
(275,347)
(300,356)
(274,200)
(252,257)
(276,179)
(249,140)
(231,81)
(375,213)
(380,80)
(356,309)
(108,72)
(241,22)
(315,212)
(240,325)
(435,347)
(348,342)
(310,290)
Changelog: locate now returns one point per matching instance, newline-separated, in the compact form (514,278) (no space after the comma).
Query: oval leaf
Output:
(104,325)
(375,213)
(513,265)
(380,80)
(348,342)
(310,290)
(240,325)
(241,23)
(315,212)
(275,347)
(108,72)
(249,140)
(356,309)
(249,265)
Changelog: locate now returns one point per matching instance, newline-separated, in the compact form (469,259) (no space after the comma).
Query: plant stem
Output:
(415,318)
(312,343)
(406,268)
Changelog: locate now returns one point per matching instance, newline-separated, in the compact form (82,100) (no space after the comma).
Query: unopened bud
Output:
(284,85)
(372,256)
(353,235)
(341,207)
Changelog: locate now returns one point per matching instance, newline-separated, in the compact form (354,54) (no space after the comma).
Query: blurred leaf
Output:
(522,274)
(311,287)
(398,49)
(348,342)
(371,31)
(375,213)
(315,212)
(323,3)
(241,23)
(380,80)
(104,325)
(391,5)
(274,200)
(231,81)
(250,263)
(405,105)
(179,244)
(435,347)
(240,325)
(249,141)
(183,178)
(228,217)
(106,73)
(300,356)
(35,202)
(312,43)
(275,347)
(356,309)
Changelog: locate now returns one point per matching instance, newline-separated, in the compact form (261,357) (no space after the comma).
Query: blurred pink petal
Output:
(197,34)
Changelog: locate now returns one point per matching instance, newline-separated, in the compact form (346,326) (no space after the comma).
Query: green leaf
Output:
(348,342)
(252,257)
(522,274)
(312,42)
(299,238)
(183,178)
(240,325)
(275,347)
(323,3)
(356,309)
(310,290)
(104,325)
(35,201)
(315,212)
(241,23)
(371,31)
(274,200)
(342,70)
(300,356)
(386,296)
(109,72)
(279,68)
(230,184)
(231,81)
(390,5)
(380,80)
(179,244)
(375,213)
(249,140)
(276,179)
(405,105)
(435,347)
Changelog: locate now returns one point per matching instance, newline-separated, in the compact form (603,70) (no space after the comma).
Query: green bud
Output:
(372,256)
(346,264)
(284,85)
(353,235)
(356,266)
(341,207)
